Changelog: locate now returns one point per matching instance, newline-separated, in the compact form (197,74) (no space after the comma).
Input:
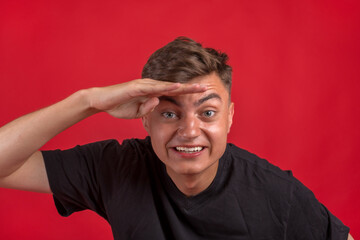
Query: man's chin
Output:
(184,171)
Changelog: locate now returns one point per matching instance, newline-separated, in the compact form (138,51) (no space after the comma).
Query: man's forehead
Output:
(216,91)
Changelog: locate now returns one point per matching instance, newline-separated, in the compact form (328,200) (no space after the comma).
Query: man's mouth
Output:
(189,149)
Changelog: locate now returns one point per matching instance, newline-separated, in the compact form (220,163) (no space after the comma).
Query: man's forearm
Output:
(22,137)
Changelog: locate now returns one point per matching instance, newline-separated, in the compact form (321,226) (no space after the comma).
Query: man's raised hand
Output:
(136,98)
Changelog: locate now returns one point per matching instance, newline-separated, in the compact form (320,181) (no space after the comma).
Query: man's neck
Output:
(193,184)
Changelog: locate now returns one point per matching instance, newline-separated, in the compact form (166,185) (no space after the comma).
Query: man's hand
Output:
(136,98)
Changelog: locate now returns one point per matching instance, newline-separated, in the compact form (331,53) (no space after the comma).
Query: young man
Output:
(183,181)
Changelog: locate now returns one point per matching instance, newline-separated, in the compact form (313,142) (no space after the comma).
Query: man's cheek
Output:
(217,128)
(162,133)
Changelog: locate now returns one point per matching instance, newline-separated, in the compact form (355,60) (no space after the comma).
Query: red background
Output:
(295,86)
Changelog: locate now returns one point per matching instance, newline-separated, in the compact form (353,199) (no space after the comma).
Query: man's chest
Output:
(154,216)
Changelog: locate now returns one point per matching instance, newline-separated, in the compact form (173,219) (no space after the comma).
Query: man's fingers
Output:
(187,88)
(148,106)
(158,88)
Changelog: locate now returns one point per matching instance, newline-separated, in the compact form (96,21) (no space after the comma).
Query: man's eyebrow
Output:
(169,99)
(196,104)
(208,97)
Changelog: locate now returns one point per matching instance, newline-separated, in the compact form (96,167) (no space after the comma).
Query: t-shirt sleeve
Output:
(309,219)
(73,176)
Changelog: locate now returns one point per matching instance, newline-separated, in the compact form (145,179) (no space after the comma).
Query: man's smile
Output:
(189,149)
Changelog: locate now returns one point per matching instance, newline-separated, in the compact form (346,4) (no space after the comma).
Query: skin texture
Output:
(192,120)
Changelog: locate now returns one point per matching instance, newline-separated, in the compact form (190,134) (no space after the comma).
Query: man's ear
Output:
(145,122)
(230,116)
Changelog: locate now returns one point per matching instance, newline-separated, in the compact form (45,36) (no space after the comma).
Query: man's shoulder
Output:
(258,167)
(137,142)
(259,172)
(115,145)
(109,151)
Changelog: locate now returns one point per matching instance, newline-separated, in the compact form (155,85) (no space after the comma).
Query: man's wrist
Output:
(84,98)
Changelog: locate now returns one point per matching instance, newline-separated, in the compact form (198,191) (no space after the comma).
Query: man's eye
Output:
(209,113)
(169,115)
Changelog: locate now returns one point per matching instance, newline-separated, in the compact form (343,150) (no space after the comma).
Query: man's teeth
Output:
(189,150)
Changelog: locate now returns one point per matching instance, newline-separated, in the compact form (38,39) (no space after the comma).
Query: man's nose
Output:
(189,127)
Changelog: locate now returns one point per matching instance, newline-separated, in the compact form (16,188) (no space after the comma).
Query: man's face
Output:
(189,132)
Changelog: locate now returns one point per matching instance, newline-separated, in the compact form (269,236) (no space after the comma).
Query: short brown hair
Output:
(184,59)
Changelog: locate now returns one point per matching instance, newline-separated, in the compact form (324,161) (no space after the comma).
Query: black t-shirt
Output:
(128,185)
